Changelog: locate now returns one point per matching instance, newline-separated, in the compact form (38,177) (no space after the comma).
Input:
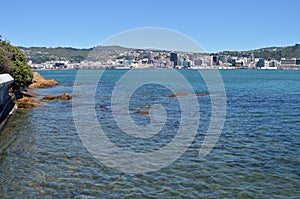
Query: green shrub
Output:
(13,61)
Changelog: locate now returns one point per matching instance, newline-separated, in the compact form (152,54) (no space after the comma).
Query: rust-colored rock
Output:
(26,102)
(65,96)
(201,94)
(40,82)
(178,94)
(142,112)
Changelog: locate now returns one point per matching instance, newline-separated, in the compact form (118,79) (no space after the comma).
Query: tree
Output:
(13,61)
(6,64)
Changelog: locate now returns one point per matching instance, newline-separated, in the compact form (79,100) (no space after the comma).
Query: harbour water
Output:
(256,156)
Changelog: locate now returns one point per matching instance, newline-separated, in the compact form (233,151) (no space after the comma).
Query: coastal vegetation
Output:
(13,62)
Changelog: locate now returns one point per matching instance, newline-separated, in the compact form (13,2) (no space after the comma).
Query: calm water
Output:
(257,155)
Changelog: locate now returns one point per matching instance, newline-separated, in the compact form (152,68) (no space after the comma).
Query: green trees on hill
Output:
(13,61)
(278,53)
(42,54)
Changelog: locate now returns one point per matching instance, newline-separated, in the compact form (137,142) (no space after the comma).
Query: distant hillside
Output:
(278,53)
(42,54)
(100,52)
(270,52)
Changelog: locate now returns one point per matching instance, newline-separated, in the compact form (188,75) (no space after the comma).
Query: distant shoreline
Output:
(164,69)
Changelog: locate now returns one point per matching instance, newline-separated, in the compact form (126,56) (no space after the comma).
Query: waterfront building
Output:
(186,64)
(260,63)
(198,62)
(180,61)
(173,58)
(222,59)
(216,60)
(239,63)
(231,61)
(288,63)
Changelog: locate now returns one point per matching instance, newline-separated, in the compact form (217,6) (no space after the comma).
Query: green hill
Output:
(43,54)
(269,52)
(279,52)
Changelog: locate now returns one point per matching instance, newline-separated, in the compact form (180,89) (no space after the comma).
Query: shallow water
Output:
(256,156)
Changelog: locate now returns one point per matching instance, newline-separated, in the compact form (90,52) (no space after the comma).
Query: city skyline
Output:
(217,26)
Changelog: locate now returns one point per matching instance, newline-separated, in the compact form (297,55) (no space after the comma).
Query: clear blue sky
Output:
(216,24)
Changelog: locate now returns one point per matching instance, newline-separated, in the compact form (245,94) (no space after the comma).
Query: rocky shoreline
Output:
(40,82)
(30,100)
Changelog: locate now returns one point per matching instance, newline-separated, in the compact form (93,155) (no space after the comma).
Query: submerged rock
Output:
(65,96)
(26,102)
(142,112)
(178,94)
(181,94)
(40,82)
(201,94)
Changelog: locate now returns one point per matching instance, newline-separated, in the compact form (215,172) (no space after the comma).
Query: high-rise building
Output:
(216,60)
(231,61)
(174,58)
(251,58)
(180,61)
(260,63)
(222,59)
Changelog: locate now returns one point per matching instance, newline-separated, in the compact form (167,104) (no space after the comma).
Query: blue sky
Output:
(216,25)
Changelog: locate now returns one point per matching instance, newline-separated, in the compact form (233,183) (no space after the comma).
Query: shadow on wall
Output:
(6,101)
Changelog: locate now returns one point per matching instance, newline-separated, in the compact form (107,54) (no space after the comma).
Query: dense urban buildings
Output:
(143,58)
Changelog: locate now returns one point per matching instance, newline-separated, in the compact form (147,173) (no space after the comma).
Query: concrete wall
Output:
(6,102)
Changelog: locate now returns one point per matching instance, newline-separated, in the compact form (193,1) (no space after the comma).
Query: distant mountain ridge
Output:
(43,54)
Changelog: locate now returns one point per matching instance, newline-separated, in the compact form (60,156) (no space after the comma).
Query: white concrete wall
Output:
(5,82)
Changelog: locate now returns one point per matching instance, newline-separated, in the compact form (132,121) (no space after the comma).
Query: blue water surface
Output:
(256,156)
